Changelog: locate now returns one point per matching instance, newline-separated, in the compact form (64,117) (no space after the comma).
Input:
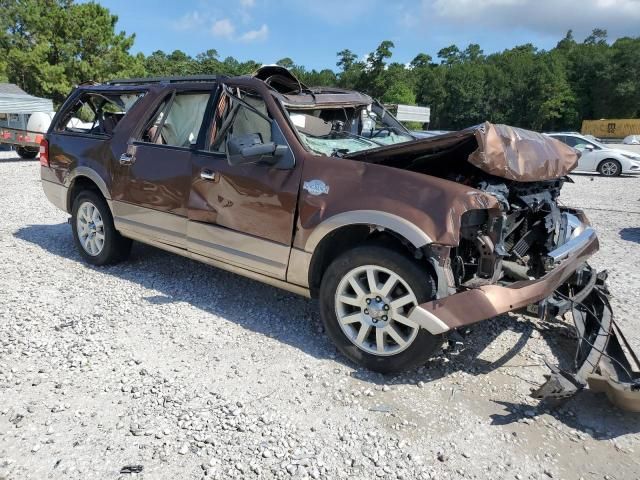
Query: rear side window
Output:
(178,120)
(97,113)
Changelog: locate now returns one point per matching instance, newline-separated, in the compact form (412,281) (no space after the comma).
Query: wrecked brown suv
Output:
(322,192)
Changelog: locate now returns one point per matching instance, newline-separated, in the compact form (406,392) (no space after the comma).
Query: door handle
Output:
(207,174)
(127,159)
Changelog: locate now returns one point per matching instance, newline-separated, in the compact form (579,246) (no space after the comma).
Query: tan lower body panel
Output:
(205,242)
(299,264)
(165,227)
(222,265)
(56,194)
(246,251)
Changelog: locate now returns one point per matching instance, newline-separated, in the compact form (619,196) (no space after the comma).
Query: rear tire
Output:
(610,168)
(96,238)
(371,327)
(27,153)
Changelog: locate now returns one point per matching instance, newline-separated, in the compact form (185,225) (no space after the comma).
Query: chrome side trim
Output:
(386,220)
(428,321)
(246,251)
(56,194)
(274,282)
(161,226)
(298,271)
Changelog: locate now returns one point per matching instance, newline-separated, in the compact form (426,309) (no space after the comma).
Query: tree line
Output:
(48,46)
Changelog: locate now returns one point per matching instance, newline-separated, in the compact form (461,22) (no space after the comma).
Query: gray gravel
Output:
(173,369)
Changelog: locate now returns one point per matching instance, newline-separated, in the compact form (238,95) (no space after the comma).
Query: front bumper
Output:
(471,306)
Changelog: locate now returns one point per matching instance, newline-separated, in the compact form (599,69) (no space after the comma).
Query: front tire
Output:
(366,295)
(610,168)
(96,238)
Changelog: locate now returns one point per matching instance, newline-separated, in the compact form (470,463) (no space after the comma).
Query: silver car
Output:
(598,157)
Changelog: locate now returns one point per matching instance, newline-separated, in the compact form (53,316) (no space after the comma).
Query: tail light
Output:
(44,152)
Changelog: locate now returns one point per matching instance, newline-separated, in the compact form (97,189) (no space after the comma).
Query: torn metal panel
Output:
(507,152)
(521,155)
(605,361)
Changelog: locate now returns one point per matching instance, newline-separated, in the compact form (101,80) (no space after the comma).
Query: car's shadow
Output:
(630,234)
(215,291)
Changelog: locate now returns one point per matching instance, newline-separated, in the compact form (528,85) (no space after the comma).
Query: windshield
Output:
(337,131)
(337,144)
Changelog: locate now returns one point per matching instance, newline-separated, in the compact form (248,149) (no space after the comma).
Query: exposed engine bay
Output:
(519,244)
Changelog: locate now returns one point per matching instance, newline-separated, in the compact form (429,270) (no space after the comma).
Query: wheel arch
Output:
(84,178)
(609,159)
(350,229)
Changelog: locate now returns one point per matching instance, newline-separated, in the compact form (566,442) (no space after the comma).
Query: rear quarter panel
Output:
(76,154)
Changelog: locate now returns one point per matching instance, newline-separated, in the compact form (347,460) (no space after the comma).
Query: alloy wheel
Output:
(372,306)
(90,228)
(609,169)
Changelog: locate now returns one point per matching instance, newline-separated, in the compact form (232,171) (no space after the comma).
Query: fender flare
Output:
(417,237)
(91,175)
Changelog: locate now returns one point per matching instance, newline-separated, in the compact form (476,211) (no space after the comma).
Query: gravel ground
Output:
(167,366)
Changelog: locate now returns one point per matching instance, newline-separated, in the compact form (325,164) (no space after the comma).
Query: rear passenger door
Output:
(152,178)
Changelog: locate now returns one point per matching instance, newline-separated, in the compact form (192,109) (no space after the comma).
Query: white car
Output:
(598,157)
(632,140)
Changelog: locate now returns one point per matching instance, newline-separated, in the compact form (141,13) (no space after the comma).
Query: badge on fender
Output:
(316,187)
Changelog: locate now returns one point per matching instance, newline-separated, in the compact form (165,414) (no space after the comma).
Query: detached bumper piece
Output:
(605,361)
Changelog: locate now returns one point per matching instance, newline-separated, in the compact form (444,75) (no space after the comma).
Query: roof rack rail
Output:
(172,79)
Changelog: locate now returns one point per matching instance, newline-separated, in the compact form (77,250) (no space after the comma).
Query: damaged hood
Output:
(500,150)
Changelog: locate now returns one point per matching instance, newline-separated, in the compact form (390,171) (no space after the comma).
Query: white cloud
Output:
(189,21)
(338,12)
(223,28)
(247,3)
(255,35)
(554,17)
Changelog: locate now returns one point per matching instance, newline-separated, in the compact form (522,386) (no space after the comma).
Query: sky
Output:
(312,32)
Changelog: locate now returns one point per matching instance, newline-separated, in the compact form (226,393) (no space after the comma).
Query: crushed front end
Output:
(530,255)
(522,252)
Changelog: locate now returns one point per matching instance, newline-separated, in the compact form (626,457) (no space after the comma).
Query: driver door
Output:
(242,214)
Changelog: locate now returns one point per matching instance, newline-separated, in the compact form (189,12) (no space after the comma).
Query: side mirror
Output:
(589,147)
(248,148)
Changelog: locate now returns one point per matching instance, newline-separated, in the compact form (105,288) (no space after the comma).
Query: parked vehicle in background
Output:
(632,140)
(598,157)
(23,120)
(27,141)
(322,192)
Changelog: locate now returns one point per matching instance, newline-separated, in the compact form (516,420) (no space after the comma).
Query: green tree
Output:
(50,46)
(286,62)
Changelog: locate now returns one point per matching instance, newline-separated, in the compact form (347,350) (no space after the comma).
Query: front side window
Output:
(178,120)
(240,114)
(97,113)
(579,143)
